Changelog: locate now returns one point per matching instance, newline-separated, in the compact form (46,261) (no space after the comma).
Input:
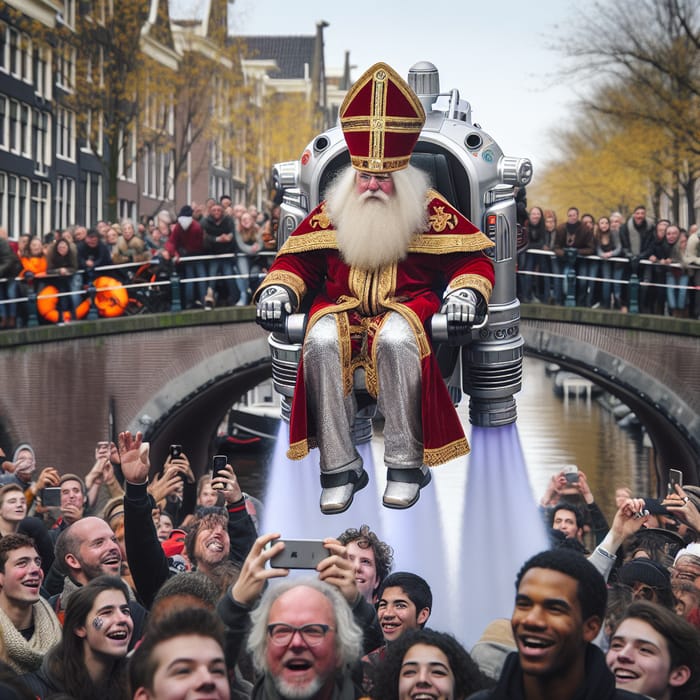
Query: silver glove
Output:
(464,309)
(273,307)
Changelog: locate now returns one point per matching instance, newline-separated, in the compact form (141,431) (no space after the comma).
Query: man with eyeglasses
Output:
(304,643)
(379,257)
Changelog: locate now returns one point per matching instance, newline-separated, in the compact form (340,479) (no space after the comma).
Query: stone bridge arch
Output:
(654,373)
(176,374)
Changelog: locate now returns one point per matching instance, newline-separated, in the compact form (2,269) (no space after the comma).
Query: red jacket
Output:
(183,243)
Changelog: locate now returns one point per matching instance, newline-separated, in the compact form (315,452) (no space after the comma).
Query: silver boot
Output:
(403,486)
(339,488)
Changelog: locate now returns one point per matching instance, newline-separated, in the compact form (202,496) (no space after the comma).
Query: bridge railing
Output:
(638,277)
(156,286)
(153,286)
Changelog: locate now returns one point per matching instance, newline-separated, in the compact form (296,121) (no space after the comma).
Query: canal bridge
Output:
(176,374)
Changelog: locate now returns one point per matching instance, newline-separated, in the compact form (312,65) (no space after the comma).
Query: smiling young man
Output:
(13,508)
(29,626)
(181,657)
(404,603)
(655,652)
(371,557)
(559,608)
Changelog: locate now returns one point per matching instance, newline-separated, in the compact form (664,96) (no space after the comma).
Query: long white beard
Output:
(373,229)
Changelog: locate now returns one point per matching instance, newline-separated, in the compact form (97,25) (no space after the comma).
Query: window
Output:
(14,126)
(4,125)
(14,204)
(65,67)
(65,134)
(41,77)
(14,64)
(26,58)
(126,209)
(65,202)
(69,12)
(94,133)
(41,153)
(3,47)
(25,130)
(93,199)
(127,159)
(39,212)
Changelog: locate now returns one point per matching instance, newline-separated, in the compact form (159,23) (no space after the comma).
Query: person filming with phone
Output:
(335,571)
(215,539)
(570,486)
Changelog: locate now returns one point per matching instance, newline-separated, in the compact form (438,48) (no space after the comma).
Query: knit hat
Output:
(73,477)
(114,508)
(644,571)
(185,211)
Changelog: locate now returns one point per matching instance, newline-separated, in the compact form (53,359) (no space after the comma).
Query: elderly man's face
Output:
(300,669)
(374,183)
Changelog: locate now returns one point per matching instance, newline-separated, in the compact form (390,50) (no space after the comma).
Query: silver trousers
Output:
(399,395)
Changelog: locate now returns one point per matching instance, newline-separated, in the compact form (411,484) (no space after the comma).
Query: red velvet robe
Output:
(449,254)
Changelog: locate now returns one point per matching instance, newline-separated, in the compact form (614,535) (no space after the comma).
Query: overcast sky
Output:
(495,53)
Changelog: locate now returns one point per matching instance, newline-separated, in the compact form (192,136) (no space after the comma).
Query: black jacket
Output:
(599,685)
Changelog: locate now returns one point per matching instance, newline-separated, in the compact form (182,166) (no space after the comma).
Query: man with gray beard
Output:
(379,257)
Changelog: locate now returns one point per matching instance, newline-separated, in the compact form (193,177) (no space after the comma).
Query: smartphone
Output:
(175,451)
(51,496)
(299,554)
(571,473)
(675,476)
(218,462)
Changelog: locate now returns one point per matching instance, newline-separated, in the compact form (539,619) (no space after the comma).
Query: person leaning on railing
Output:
(10,267)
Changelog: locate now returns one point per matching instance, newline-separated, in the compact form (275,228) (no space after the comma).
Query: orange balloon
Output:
(47,305)
(111,297)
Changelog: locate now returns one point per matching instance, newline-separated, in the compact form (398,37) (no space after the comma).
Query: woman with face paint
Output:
(90,660)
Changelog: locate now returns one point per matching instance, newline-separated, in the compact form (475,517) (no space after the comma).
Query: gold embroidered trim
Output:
(298,450)
(316,240)
(448,243)
(481,284)
(289,279)
(446,453)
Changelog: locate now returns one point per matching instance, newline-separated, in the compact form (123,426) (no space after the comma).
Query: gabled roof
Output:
(291,53)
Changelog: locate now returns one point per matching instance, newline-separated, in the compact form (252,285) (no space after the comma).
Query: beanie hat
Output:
(113,509)
(645,571)
(185,211)
(73,477)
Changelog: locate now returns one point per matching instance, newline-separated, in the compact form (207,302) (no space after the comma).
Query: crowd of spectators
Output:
(604,253)
(219,247)
(142,581)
